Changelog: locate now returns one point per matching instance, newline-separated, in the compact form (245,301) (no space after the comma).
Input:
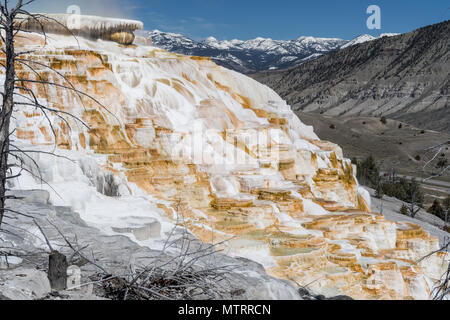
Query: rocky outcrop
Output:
(184,141)
(116,253)
(91,27)
(23,284)
(404,77)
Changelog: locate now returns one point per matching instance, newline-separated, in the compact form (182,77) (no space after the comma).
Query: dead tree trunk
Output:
(11,22)
(7,109)
(57,271)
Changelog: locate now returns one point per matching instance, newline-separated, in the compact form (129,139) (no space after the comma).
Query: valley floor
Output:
(393,145)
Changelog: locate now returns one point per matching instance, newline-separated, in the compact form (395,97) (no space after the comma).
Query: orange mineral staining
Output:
(300,213)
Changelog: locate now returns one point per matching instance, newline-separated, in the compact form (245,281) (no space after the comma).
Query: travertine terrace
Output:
(91,27)
(291,202)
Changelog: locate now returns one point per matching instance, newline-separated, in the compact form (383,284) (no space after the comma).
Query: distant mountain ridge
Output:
(406,77)
(366,38)
(254,55)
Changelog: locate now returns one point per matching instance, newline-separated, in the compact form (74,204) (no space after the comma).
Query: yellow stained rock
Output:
(301,211)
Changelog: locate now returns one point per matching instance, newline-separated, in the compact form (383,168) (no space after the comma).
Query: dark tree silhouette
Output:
(415,198)
(13,18)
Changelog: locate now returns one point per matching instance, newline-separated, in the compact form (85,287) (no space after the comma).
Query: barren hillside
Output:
(405,77)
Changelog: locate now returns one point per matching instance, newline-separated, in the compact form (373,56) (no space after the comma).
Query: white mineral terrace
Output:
(119,30)
(294,204)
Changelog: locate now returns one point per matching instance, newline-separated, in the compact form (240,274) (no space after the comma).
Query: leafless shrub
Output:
(18,95)
(185,269)
(441,290)
(187,276)
(432,155)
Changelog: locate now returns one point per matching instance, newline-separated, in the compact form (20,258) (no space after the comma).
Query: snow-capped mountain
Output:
(247,56)
(252,55)
(365,38)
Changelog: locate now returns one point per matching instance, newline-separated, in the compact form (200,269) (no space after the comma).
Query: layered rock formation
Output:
(19,279)
(184,141)
(92,27)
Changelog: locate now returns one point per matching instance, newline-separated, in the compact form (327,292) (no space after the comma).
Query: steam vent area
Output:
(90,27)
(179,140)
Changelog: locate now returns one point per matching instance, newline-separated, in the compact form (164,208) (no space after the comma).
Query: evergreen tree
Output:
(437,210)
(446,203)
(414,193)
(442,162)
(404,210)
(379,193)
(446,207)
(368,172)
